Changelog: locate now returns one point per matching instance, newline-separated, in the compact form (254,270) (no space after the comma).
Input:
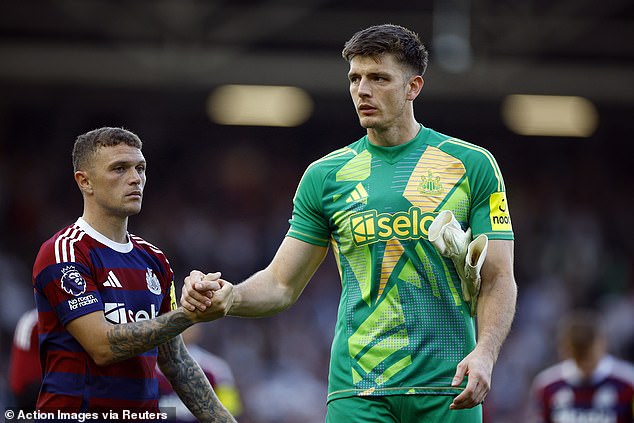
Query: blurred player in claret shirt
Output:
(25,375)
(590,385)
(217,371)
(105,298)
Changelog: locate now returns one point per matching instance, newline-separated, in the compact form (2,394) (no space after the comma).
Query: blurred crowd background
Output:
(219,196)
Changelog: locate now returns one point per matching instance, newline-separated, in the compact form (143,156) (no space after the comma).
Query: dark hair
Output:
(392,39)
(86,145)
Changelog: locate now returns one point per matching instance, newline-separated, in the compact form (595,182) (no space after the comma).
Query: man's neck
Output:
(394,135)
(112,227)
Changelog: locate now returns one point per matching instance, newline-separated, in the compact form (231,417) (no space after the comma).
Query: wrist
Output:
(236,300)
(488,346)
(191,316)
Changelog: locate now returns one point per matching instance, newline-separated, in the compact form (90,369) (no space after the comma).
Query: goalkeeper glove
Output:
(450,240)
(467,256)
(476,253)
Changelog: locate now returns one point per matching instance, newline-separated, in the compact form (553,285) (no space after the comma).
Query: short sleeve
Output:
(489,206)
(69,289)
(308,222)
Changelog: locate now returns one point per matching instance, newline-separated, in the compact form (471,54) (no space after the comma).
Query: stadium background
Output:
(219,196)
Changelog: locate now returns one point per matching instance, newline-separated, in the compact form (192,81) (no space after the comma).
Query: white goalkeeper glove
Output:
(476,253)
(450,240)
(467,256)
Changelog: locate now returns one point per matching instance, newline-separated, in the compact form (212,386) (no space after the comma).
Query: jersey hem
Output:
(401,390)
(321,242)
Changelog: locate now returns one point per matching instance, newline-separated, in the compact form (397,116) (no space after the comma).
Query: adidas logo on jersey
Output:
(112,281)
(358,195)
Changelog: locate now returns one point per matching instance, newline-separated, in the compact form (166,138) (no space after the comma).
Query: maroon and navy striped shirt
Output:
(80,271)
(561,395)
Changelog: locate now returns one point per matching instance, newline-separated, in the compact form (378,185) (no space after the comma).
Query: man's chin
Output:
(367,122)
(131,211)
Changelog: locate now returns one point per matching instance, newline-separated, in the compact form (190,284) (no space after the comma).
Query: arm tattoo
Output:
(190,383)
(131,339)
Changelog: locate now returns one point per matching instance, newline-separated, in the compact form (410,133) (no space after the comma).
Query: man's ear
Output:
(416,83)
(83,182)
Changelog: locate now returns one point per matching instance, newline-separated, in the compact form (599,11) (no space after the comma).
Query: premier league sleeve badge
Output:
(72,281)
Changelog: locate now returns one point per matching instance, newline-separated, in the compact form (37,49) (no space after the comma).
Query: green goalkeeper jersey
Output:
(402,324)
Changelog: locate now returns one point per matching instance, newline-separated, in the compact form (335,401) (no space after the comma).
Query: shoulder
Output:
(151,250)
(461,149)
(548,376)
(146,246)
(337,158)
(66,245)
(623,370)
(477,161)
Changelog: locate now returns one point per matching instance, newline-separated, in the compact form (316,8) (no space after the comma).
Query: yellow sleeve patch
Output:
(499,212)
(173,305)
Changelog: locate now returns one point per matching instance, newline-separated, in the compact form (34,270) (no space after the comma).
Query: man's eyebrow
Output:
(127,162)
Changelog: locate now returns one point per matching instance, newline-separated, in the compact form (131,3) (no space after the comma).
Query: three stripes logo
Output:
(112,281)
(358,195)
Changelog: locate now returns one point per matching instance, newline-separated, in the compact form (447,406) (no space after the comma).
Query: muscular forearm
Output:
(496,309)
(131,339)
(190,383)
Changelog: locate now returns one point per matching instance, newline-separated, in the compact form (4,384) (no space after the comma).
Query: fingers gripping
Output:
(198,290)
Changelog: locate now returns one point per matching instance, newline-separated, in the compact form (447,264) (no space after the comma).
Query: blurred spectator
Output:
(217,371)
(590,385)
(25,374)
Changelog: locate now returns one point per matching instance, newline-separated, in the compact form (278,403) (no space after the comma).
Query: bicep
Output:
(499,259)
(498,279)
(90,330)
(295,263)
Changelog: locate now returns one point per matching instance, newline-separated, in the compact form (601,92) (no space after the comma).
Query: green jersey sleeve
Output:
(489,209)
(308,222)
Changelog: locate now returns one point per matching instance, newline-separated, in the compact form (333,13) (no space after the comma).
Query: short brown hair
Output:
(401,42)
(86,145)
(580,330)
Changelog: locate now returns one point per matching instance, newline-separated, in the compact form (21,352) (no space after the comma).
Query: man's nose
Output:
(135,178)
(364,88)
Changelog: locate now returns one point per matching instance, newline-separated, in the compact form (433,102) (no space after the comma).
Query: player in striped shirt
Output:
(589,385)
(25,375)
(105,298)
(406,347)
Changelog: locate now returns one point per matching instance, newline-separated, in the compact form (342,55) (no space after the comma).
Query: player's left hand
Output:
(478,365)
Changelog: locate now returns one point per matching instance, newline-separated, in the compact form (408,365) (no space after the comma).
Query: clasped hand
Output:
(207,296)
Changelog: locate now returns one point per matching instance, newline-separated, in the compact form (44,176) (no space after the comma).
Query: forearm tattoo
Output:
(190,383)
(131,339)
(188,380)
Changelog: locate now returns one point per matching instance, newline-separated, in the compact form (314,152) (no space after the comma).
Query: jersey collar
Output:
(122,248)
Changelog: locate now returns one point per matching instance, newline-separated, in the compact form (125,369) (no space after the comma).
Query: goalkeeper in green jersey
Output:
(406,347)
